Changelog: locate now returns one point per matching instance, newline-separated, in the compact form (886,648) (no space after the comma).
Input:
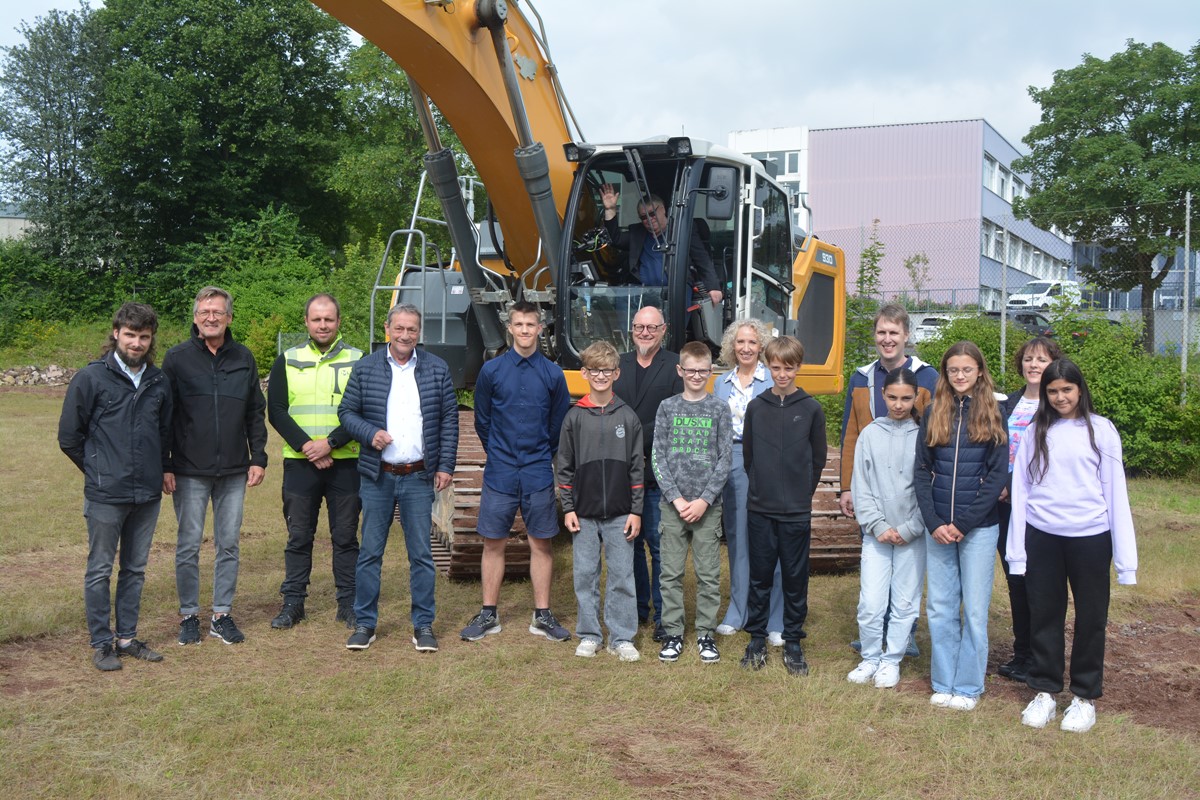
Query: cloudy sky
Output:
(633,68)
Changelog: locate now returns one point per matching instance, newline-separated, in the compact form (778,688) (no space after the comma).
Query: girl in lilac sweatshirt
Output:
(1070,521)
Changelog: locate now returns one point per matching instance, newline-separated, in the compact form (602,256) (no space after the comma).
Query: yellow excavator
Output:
(486,66)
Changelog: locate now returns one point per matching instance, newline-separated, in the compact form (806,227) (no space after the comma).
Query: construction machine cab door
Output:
(763,283)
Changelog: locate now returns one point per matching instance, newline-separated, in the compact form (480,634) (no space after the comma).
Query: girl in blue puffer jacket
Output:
(961,468)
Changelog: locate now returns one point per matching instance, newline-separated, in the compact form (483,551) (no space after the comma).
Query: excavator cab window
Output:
(771,256)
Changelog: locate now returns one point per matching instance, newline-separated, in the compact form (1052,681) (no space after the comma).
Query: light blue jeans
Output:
(414,494)
(733,517)
(960,577)
(620,599)
(887,570)
(192,495)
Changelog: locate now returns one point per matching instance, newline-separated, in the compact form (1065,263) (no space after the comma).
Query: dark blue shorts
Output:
(497,511)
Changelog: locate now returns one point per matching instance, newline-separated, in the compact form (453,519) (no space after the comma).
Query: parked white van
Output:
(1043,294)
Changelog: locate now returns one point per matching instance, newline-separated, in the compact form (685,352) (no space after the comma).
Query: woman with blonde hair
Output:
(961,468)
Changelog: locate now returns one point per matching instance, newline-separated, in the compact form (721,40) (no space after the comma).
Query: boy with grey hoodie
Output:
(893,550)
(599,472)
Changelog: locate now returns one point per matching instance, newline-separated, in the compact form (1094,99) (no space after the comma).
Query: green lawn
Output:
(293,714)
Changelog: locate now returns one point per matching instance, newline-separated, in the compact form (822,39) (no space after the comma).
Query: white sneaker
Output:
(961,703)
(940,699)
(726,630)
(775,638)
(887,676)
(863,672)
(1080,716)
(1041,709)
(587,648)
(624,651)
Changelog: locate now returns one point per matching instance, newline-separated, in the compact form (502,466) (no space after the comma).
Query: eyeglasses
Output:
(695,373)
(648,328)
(606,373)
(211,314)
(649,213)
(966,372)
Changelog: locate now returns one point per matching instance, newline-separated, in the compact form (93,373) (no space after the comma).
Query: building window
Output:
(793,162)
(989,172)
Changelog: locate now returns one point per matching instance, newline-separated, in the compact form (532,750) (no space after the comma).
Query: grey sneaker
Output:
(485,623)
(138,649)
(424,640)
(546,625)
(189,630)
(223,628)
(756,654)
(105,658)
(361,638)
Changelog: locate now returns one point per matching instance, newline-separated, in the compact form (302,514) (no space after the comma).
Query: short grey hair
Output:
(209,292)
(727,357)
(403,308)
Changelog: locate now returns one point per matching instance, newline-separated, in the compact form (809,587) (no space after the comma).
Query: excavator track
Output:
(458,549)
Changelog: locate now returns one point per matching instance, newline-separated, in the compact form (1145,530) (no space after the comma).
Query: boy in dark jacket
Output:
(783,444)
(599,472)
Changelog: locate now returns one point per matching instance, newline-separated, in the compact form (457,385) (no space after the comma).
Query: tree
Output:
(1117,148)
(48,89)
(917,267)
(861,307)
(216,109)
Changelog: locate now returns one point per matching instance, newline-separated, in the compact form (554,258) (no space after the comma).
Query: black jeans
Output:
(1018,597)
(1053,562)
(770,541)
(304,487)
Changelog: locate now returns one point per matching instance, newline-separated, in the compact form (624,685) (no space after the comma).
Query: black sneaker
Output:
(361,638)
(793,659)
(224,629)
(708,650)
(189,630)
(424,640)
(1017,669)
(138,649)
(485,623)
(671,649)
(345,613)
(544,624)
(289,615)
(756,654)
(660,633)
(105,658)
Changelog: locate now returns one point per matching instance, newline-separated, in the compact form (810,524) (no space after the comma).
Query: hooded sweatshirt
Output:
(784,450)
(884,494)
(600,464)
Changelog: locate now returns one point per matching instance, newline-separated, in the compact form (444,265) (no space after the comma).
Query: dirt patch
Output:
(1151,668)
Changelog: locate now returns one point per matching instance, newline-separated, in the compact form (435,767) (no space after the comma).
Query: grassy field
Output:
(293,714)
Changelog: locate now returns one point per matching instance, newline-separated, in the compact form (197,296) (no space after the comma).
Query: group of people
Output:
(942,472)
(936,469)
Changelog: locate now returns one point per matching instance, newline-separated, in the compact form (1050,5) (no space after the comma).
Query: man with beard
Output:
(320,458)
(116,427)
(648,376)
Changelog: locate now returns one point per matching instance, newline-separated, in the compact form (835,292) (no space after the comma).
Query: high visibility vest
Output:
(316,382)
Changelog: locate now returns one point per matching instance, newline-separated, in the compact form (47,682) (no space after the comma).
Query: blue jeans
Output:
(891,578)
(960,576)
(648,582)
(191,497)
(733,516)
(620,611)
(123,530)
(414,494)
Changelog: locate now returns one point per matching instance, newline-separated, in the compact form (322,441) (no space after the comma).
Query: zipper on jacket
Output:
(954,471)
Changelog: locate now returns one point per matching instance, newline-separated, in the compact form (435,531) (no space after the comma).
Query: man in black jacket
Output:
(218,449)
(647,377)
(116,427)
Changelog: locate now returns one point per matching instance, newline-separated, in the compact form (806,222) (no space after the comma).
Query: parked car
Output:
(1031,322)
(1041,294)
(929,326)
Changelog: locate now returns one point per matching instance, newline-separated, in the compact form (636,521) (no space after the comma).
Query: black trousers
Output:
(304,487)
(1018,598)
(770,541)
(1052,563)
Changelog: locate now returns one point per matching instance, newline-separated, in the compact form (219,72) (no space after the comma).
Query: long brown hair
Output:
(985,423)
